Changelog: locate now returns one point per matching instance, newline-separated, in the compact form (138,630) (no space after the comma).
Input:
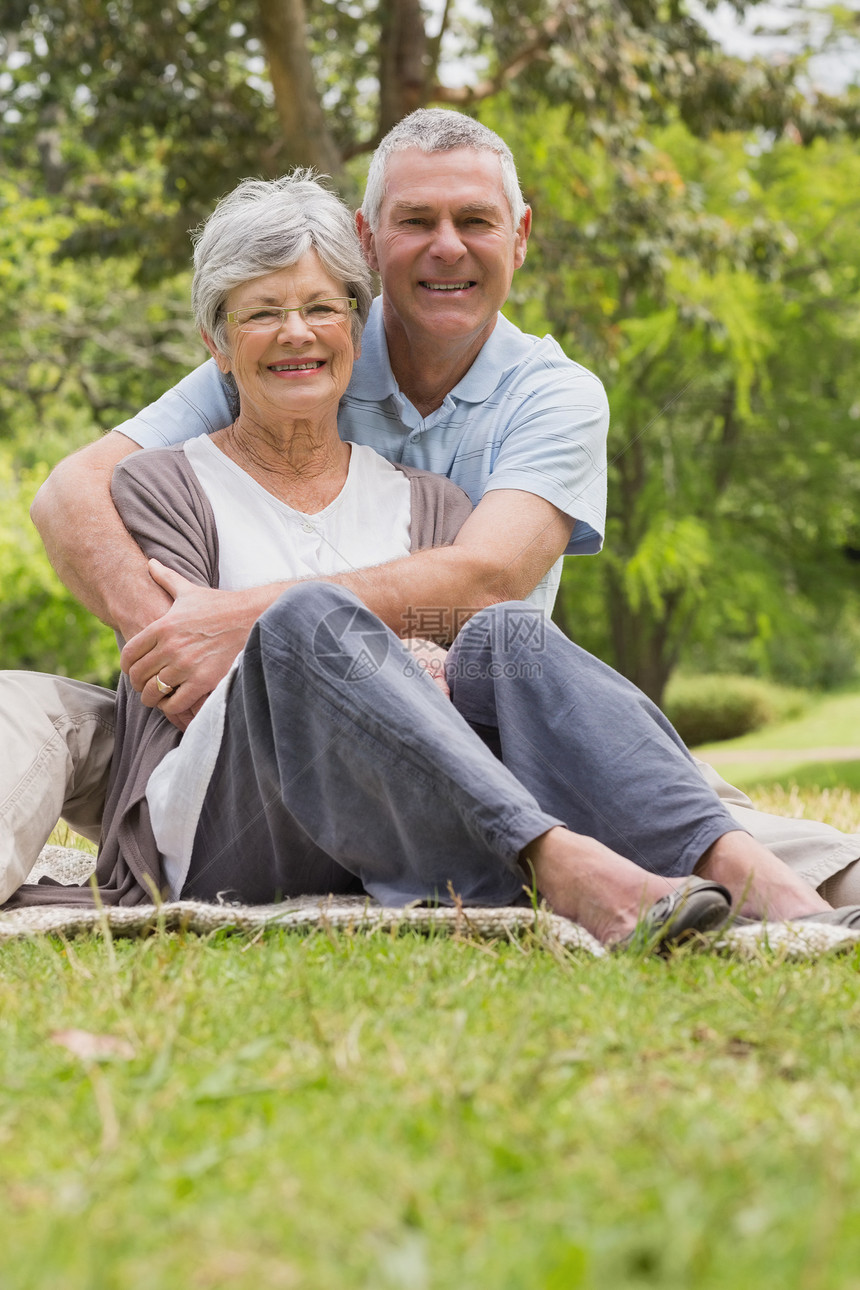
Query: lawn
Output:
(829,723)
(408,1113)
(402,1112)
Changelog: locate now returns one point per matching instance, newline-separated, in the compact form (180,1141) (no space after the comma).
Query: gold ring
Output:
(163,689)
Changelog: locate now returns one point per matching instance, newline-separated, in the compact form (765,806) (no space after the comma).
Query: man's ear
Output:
(221,359)
(522,237)
(365,236)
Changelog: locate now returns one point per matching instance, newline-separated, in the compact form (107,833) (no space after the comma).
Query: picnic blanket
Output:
(360,914)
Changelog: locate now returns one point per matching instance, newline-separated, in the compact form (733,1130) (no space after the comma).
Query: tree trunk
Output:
(643,645)
(404,62)
(309,142)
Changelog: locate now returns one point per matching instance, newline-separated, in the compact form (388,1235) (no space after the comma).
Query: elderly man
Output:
(445,383)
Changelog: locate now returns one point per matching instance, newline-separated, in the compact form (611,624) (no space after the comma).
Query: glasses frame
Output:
(283,310)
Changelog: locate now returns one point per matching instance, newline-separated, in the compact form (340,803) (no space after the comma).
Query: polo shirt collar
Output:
(372,377)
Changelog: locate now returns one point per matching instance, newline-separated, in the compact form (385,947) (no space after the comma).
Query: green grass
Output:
(399,1112)
(419,1114)
(837,806)
(809,776)
(63,836)
(831,722)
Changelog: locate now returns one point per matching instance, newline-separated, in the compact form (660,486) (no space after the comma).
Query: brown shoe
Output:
(697,906)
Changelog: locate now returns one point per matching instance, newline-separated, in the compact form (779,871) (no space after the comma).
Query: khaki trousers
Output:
(813,850)
(56,743)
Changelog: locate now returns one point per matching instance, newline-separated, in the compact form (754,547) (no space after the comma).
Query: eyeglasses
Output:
(318,313)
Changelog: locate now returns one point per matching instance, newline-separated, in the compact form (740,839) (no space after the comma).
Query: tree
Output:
(697,279)
(41,624)
(224,88)
(677,259)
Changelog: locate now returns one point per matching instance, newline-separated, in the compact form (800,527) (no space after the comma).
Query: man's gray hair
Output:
(267,225)
(439,130)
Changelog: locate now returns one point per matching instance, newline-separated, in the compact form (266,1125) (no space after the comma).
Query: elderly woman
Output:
(327,761)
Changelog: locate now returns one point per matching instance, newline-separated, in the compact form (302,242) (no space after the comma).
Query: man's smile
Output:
(447,286)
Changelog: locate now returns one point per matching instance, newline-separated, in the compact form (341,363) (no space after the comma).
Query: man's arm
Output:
(85,539)
(501,553)
(87,542)
(505,547)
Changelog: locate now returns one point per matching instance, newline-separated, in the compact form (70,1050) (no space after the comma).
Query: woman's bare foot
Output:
(762,886)
(585,881)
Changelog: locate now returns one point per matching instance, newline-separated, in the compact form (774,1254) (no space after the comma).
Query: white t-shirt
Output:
(263,540)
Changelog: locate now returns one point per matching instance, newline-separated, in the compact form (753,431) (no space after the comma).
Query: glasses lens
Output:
(258,319)
(322,312)
(319,313)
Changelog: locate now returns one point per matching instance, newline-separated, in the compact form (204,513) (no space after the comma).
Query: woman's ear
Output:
(221,359)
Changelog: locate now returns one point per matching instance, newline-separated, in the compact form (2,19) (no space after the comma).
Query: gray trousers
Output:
(343,767)
(56,743)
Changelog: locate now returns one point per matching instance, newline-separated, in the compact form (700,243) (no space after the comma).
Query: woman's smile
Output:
(309,365)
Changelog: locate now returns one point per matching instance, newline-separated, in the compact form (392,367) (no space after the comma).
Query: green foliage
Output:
(706,709)
(832,720)
(718,299)
(82,346)
(815,751)
(42,627)
(190,80)
(180,85)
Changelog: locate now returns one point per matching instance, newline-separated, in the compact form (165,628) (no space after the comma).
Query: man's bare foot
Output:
(585,881)
(762,886)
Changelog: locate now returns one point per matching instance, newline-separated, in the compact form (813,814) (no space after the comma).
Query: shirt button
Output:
(308,528)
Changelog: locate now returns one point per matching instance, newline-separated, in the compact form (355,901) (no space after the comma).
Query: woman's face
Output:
(293,370)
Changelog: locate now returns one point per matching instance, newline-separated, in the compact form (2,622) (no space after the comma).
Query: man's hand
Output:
(192,646)
(429,658)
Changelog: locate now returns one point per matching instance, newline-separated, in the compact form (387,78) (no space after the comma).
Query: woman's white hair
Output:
(439,130)
(267,225)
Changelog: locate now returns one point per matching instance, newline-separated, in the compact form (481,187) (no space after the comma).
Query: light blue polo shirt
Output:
(524,416)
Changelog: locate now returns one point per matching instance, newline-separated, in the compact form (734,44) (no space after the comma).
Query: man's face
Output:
(445,246)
